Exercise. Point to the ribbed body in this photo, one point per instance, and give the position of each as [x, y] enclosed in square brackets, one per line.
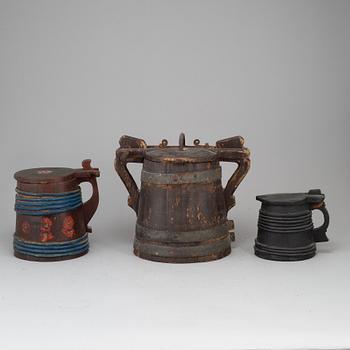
[285, 233]
[50, 226]
[181, 213]
[56, 250]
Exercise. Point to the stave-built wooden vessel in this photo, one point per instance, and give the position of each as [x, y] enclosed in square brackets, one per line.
[182, 207]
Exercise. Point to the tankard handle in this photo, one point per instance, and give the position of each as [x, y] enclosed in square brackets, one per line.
[131, 151]
[89, 174]
[319, 233]
[232, 150]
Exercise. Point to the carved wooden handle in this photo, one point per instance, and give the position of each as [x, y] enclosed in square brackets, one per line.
[132, 150]
[316, 200]
[232, 150]
[89, 174]
[319, 233]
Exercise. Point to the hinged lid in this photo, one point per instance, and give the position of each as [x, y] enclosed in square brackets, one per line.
[181, 153]
[313, 196]
[44, 175]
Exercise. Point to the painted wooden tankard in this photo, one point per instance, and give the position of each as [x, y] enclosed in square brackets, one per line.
[182, 207]
[52, 221]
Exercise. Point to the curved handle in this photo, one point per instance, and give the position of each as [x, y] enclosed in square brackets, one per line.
[89, 174]
[129, 154]
[319, 233]
[236, 154]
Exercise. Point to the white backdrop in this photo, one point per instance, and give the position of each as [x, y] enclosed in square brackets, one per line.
[76, 75]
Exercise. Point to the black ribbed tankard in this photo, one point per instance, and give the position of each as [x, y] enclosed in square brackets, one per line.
[285, 228]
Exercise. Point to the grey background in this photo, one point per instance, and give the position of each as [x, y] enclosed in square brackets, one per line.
[76, 75]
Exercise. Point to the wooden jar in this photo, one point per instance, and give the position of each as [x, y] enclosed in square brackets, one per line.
[182, 207]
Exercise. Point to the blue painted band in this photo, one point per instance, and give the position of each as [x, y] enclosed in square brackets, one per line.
[38, 204]
[56, 249]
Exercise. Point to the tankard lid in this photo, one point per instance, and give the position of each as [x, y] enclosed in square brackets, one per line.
[313, 196]
[44, 175]
[181, 155]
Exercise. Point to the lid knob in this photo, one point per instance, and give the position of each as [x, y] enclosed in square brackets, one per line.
[182, 140]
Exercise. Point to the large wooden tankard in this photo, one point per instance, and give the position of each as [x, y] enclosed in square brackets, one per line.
[182, 207]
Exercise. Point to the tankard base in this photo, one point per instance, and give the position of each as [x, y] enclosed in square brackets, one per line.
[183, 260]
[41, 259]
[52, 251]
[282, 254]
[183, 253]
